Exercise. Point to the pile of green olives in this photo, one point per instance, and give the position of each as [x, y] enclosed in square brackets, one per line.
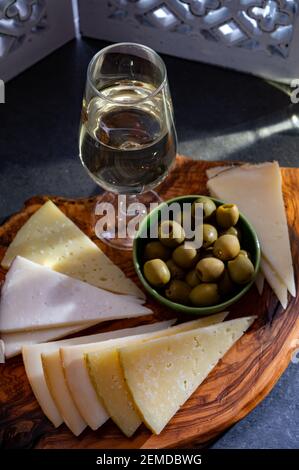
[205, 276]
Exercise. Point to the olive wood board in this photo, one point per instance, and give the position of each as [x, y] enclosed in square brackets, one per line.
[244, 376]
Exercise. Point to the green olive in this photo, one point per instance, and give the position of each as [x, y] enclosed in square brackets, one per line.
[233, 231]
[156, 272]
[184, 257]
[209, 206]
[209, 235]
[204, 295]
[209, 269]
[227, 215]
[155, 249]
[226, 247]
[192, 279]
[178, 291]
[225, 285]
[240, 269]
[171, 233]
[244, 253]
[175, 271]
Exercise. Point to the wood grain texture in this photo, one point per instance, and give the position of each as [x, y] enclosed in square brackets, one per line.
[238, 383]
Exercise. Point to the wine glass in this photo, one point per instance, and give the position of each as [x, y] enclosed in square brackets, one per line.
[127, 135]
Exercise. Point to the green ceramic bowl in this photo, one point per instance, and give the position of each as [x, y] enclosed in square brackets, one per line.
[249, 242]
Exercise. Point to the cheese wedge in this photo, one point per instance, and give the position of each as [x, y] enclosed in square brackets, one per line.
[78, 380]
[52, 239]
[34, 369]
[35, 297]
[163, 373]
[15, 341]
[107, 376]
[257, 190]
[274, 281]
[259, 282]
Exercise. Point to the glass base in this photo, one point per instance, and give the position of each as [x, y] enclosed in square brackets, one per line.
[117, 217]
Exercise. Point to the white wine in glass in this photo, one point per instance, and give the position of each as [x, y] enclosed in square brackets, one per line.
[127, 134]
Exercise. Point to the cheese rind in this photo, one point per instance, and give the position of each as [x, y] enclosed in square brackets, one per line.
[14, 342]
[257, 190]
[107, 376]
[50, 238]
[34, 368]
[162, 374]
[35, 297]
[274, 281]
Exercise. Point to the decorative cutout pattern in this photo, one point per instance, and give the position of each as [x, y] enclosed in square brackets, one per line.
[262, 25]
[18, 20]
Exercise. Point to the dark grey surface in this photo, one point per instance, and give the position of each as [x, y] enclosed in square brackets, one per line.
[220, 115]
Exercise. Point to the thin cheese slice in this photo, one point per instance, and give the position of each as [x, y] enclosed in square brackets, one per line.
[34, 368]
[52, 239]
[35, 297]
[163, 373]
[15, 341]
[274, 281]
[259, 282]
[107, 376]
[60, 393]
[78, 380]
[257, 190]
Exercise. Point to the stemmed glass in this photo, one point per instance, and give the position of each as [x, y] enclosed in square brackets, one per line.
[127, 135]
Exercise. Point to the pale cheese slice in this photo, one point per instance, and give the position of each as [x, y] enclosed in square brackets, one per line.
[57, 386]
[55, 378]
[274, 281]
[107, 376]
[257, 190]
[35, 297]
[15, 341]
[259, 282]
[163, 373]
[78, 380]
[34, 368]
[50, 238]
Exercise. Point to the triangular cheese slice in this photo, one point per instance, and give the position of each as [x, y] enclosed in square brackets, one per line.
[35, 297]
[257, 190]
[35, 373]
[107, 375]
[162, 374]
[50, 238]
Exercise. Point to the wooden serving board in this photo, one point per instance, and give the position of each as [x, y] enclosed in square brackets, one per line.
[239, 382]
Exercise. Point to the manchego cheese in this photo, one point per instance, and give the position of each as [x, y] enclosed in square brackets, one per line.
[50, 238]
[107, 375]
[163, 373]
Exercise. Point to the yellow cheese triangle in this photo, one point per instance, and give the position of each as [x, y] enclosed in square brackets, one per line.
[257, 190]
[107, 376]
[163, 373]
[52, 239]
